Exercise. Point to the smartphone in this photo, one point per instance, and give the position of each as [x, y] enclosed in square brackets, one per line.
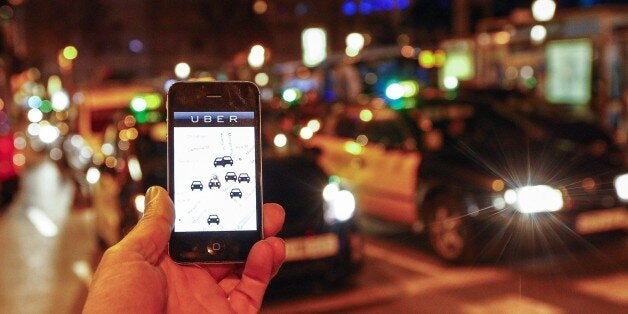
[214, 170]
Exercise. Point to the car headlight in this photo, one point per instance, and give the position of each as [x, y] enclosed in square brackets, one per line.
[340, 203]
[535, 199]
[621, 186]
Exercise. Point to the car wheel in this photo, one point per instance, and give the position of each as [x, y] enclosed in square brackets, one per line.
[448, 229]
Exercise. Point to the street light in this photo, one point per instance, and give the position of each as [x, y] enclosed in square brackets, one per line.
[314, 45]
[543, 10]
[538, 34]
[182, 70]
[256, 56]
[355, 43]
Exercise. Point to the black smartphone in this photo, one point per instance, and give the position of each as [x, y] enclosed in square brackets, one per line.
[214, 170]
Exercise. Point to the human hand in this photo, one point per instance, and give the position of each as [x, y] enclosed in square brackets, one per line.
[137, 275]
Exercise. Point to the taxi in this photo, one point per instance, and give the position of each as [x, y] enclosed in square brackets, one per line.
[478, 178]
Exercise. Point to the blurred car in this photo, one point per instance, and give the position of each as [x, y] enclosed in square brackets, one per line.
[120, 181]
[319, 231]
[478, 179]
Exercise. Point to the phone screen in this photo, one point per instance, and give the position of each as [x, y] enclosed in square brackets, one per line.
[214, 171]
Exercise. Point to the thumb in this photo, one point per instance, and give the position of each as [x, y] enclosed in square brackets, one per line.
[152, 232]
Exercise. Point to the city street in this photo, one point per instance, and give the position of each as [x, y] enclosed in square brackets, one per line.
[50, 252]
[430, 156]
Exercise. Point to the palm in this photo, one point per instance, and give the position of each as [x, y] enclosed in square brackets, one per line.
[137, 275]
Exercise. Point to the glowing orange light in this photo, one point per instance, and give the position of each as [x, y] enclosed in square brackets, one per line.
[407, 51]
[498, 185]
[501, 38]
[111, 162]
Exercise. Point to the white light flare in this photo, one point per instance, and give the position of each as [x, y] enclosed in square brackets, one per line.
[44, 225]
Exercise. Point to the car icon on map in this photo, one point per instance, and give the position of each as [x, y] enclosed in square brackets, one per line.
[231, 176]
[213, 182]
[235, 193]
[196, 185]
[223, 161]
[244, 177]
[213, 219]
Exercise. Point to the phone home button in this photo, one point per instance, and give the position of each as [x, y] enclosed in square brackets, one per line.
[213, 248]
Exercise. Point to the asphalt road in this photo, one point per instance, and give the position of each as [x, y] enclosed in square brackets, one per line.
[50, 251]
[399, 276]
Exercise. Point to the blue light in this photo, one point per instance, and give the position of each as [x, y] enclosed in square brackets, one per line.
[387, 5]
[349, 8]
[136, 45]
[403, 4]
[365, 7]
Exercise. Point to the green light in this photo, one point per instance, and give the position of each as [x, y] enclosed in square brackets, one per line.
[138, 104]
[141, 117]
[410, 88]
[353, 148]
[46, 106]
[70, 52]
[366, 115]
[153, 117]
[531, 82]
[427, 59]
[153, 101]
[291, 95]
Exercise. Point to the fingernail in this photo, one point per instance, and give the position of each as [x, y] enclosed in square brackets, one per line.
[150, 195]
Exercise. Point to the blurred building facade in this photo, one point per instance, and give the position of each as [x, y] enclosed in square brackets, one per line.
[121, 40]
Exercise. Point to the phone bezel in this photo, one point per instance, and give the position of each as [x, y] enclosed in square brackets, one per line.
[231, 96]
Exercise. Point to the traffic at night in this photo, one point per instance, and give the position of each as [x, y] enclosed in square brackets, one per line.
[342, 156]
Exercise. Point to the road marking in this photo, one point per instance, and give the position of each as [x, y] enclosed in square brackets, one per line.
[397, 290]
[612, 288]
[391, 257]
[438, 278]
[44, 225]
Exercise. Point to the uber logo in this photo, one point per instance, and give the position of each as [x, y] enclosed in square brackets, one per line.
[214, 119]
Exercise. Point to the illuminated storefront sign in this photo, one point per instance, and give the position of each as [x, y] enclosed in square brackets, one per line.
[569, 67]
